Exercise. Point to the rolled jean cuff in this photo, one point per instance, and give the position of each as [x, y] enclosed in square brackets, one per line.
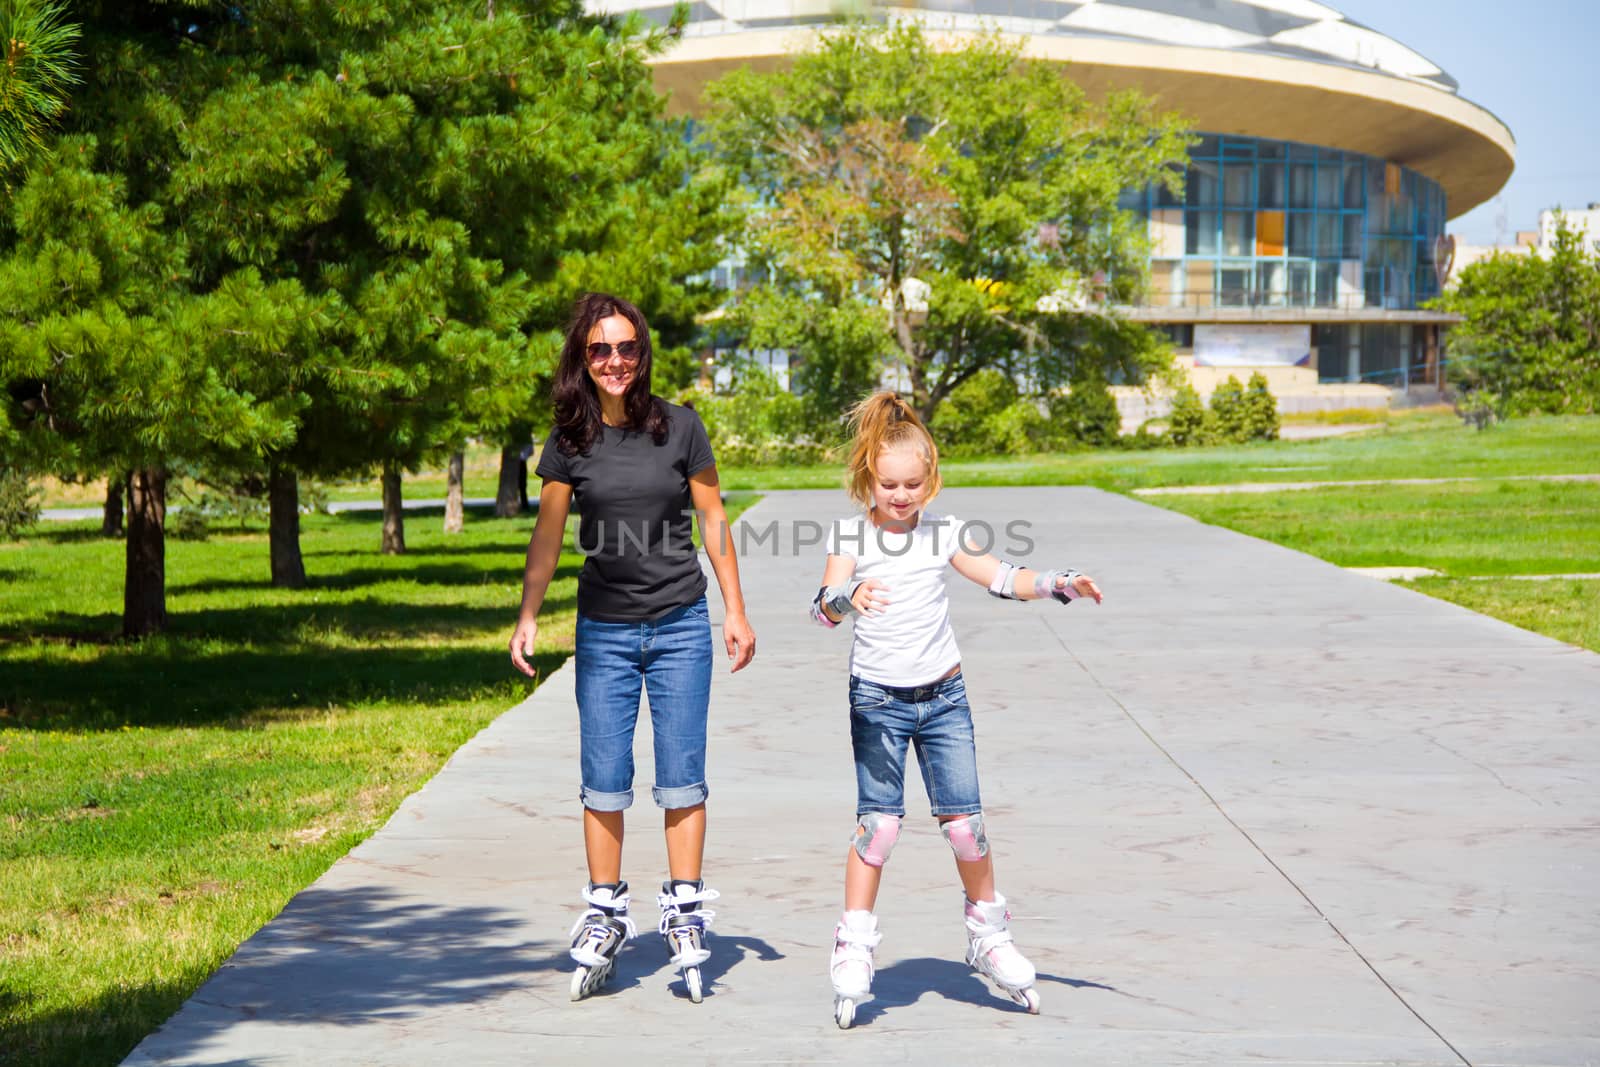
[957, 809]
[880, 809]
[682, 796]
[597, 801]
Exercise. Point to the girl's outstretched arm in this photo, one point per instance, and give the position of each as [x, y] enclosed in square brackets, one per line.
[1024, 583]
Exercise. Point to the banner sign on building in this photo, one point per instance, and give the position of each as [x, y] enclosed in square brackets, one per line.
[1252, 346]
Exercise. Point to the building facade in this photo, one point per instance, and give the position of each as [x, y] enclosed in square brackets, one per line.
[1312, 228]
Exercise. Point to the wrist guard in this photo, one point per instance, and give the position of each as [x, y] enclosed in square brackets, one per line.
[1004, 585]
[836, 599]
[1044, 585]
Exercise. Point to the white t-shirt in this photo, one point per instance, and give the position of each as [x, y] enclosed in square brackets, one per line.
[911, 642]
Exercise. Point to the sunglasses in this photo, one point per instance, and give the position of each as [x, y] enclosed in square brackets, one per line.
[627, 351]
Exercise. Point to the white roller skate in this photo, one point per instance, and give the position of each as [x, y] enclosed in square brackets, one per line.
[991, 953]
[852, 967]
[683, 924]
[598, 935]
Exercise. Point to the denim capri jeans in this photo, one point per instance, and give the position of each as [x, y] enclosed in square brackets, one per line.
[669, 658]
[937, 720]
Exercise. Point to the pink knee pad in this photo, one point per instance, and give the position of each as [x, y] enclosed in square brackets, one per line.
[966, 837]
[875, 837]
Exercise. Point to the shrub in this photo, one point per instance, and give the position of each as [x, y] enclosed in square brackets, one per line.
[1226, 419]
[1187, 423]
[760, 423]
[19, 504]
[1088, 414]
[1260, 410]
[968, 420]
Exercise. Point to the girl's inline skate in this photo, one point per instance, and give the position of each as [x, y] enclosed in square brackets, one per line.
[683, 924]
[991, 953]
[598, 935]
[852, 966]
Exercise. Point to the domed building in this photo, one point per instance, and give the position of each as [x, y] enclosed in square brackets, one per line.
[1313, 223]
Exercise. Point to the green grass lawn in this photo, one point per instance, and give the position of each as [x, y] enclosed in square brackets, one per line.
[1427, 445]
[1459, 528]
[1567, 609]
[159, 801]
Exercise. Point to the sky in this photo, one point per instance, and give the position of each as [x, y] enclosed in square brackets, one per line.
[1533, 63]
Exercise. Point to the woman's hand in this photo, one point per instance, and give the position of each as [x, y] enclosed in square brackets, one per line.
[739, 639]
[869, 597]
[522, 646]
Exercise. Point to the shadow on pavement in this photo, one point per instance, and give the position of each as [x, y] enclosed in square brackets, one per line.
[904, 983]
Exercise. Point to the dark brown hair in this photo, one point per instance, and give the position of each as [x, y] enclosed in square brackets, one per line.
[577, 404]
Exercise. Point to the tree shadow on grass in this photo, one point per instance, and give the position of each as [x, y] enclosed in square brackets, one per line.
[904, 983]
[126, 685]
[345, 958]
[297, 623]
[472, 548]
[457, 574]
[68, 533]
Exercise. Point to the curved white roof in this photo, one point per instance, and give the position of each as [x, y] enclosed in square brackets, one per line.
[1299, 29]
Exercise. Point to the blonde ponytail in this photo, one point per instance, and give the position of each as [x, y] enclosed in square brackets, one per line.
[884, 421]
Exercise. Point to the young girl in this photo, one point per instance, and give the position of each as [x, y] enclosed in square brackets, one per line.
[886, 570]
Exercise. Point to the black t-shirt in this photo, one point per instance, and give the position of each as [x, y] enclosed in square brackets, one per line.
[635, 517]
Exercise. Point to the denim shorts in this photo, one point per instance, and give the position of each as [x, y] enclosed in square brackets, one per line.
[938, 721]
[670, 658]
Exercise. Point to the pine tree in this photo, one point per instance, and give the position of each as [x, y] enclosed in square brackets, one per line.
[127, 368]
[300, 237]
[37, 69]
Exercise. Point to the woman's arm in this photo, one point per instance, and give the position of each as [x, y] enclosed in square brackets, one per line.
[544, 551]
[984, 568]
[737, 636]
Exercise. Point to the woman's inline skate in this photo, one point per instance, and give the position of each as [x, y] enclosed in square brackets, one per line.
[598, 935]
[683, 924]
[852, 965]
[991, 953]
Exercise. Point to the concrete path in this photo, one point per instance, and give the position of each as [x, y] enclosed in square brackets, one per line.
[1253, 809]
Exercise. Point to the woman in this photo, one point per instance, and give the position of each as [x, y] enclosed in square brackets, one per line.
[634, 465]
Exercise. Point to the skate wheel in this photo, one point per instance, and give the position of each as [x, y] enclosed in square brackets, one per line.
[1030, 1000]
[580, 979]
[844, 1012]
[691, 981]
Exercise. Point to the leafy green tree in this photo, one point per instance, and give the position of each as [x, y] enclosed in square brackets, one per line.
[1531, 339]
[967, 198]
[836, 352]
